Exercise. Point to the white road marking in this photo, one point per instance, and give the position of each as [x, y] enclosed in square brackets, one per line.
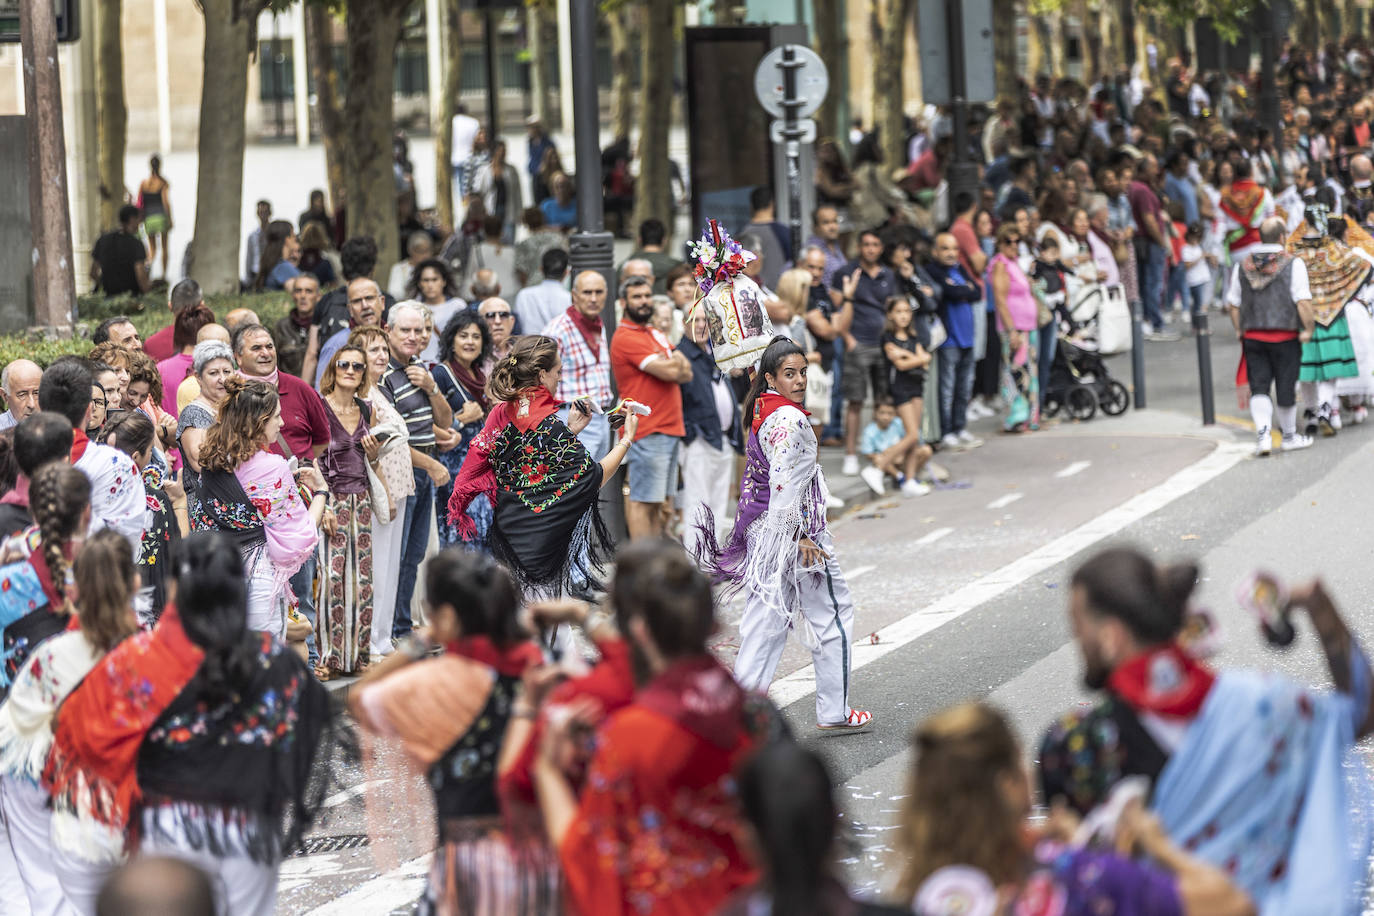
[802, 682]
[1073, 469]
[851, 576]
[339, 798]
[1002, 502]
[933, 536]
[388, 891]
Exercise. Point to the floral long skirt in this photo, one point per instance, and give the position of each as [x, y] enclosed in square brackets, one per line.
[344, 606]
[1021, 382]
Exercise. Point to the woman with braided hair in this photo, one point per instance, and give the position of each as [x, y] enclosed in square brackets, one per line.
[105, 585]
[35, 601]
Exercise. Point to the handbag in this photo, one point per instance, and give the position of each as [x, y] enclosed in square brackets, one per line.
[819, 385]
[936, 330]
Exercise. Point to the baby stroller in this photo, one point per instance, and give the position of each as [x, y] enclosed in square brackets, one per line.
[1080, 384]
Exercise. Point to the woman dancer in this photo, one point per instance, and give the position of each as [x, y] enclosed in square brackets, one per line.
[34, 591]
[450, 714]
[781, 554]
[345, 600]
[199, 739]
[251, 493]
[547, 528]
[463, 348]
[106, 582]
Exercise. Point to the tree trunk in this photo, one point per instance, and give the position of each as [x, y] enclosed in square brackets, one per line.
[112, 114]
[319, 50]
[541, 77]
[369, 183]
[622, 69]
[826, 14]
[219, 174]
[887, 79]
[448, 107]
[1004, 47]
[1089, 27]
[653, 191]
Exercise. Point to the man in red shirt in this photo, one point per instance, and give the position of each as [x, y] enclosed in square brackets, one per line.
[971, 256]
[647, 369]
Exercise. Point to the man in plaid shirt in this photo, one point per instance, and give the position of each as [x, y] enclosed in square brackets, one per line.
[586, 357]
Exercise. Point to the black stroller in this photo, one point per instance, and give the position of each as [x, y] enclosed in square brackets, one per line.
[1080, 384]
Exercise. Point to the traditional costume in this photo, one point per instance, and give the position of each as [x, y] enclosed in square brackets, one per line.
[161, 536]
[1335, 274]
[782, 500]
[459, 385]
[117, 496]
[1251, 772]
[258, 504]
[450, 716]
[1246, 205]
[33, 607]
[547, 529]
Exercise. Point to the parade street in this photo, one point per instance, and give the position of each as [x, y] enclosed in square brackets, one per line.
[963, 593]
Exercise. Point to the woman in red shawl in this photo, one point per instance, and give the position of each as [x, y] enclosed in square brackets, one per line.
[657, 830]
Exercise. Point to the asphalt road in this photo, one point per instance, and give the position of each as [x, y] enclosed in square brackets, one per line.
[965, 590]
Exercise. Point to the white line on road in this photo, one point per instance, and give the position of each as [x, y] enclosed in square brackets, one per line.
[851, 576]
[1002, 502]
[933, 536]
[1073, 469]
[339, 798]
[802, 682]
[388, 891]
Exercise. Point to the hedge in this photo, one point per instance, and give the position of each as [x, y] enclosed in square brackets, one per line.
[148, 312]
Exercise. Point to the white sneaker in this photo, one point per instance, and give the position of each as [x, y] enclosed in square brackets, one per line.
[1264, 442]
[968, 439]
[851, 466]
[1335, 418]
[1357, 416]
[833, 502]
[914, 488]
[951, 442]
[1295, 442]
[874, 478]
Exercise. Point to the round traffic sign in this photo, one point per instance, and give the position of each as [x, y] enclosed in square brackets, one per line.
[812, 80]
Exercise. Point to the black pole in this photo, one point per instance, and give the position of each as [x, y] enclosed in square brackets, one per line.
[792, 145]
[591, 247]
[963, 172]
[1268, 93]
[1204, 365]
[1138, 352]
[493, 101]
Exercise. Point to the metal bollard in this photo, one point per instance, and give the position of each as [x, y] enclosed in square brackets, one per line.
[1204, 366]
[1138, 353]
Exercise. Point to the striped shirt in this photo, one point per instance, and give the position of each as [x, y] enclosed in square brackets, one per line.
[411, 402]
[584, 376]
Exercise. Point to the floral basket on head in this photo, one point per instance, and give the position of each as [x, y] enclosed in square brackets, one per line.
[737, 323]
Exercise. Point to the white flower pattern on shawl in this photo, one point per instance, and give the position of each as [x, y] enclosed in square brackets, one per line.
[51, 672]
[796, 508]
[118, 499]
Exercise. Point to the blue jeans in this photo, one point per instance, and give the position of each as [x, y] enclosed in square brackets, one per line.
[835, 428]
[1152, 283]
[1049, 343]
[1177, 288]
[414, 543]
[956, 387]
[303, 587]
[1193, 298]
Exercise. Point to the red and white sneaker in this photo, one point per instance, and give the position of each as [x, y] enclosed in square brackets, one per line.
[857, 718]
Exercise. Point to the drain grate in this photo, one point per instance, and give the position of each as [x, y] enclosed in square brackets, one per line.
[323, 844]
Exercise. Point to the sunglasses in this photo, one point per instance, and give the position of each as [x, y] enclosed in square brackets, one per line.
[496, 316]
[348, 364]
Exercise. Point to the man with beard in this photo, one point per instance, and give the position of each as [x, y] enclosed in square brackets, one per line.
[1246, 771]
[647, 369]
[662, 766]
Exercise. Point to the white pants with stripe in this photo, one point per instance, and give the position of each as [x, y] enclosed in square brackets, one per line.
[824, 599]
[26, 818]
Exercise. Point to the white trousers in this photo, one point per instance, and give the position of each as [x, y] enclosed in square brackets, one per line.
[264, 599]
[706, 476]
[81, 880]
[242, 887]
[34, 888]
[824, 599]
[386, 574]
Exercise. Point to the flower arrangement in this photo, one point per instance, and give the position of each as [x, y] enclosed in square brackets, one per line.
[719, 257]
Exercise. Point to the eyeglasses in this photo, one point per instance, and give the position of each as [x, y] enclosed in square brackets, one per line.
[348, 364]
[496, 316]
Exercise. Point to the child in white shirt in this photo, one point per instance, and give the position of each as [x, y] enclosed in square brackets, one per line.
[1197, 280]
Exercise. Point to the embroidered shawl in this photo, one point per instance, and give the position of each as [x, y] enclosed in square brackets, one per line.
[1334, 272]
[51, 672]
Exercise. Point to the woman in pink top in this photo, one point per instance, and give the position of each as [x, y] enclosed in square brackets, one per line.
[1017, 321]
[176, 367]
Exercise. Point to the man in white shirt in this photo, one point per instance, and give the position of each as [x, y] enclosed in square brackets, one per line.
[536, 306]
[1270, 303]
[20, 379]
[465, 128]
[118, 500]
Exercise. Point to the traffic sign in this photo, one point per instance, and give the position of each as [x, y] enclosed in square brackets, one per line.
[932, 35]
[778, 126]
[812, 81]
[68, 20]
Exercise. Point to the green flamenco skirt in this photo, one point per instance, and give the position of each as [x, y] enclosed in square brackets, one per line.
[1329, 354]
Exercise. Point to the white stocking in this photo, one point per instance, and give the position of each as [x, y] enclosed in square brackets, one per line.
[1261, 410]
[1288, 419]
